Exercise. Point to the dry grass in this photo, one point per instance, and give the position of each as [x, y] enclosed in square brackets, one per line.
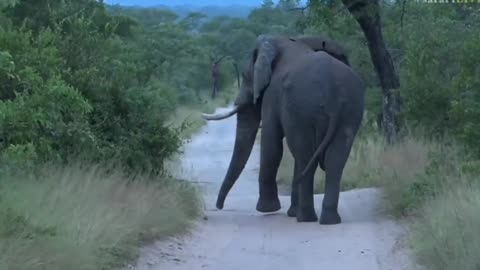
[445, 233]
[431, 182]
[372, 162]
[87, 218]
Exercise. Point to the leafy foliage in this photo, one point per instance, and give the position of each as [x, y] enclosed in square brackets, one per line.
[83, 80]
[433, 48]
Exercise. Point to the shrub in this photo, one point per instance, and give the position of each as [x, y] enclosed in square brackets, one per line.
[54, 119]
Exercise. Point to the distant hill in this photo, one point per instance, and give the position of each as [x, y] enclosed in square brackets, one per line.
[212, 8]
[197, 3]
[211, 11]
[236, 11]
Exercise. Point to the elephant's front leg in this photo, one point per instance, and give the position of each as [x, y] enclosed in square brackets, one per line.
[271, 151]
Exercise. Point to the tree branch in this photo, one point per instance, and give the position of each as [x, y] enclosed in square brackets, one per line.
[299, 8]
[219, 60]
[403, 13]
[302, 9]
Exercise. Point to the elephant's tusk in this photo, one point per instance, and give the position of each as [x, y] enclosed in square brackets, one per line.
[220, 116]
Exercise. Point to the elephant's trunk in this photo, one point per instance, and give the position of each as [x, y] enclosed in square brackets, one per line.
[248, 121]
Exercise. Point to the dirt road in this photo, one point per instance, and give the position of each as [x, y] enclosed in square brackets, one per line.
[239, 238]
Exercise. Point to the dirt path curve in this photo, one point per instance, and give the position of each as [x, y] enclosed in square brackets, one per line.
[239, 238]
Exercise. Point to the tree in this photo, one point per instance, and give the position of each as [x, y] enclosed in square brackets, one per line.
[367, 14]
[216, 60]
[193, 20]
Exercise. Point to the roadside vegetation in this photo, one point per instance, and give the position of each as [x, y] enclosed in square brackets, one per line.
[87, 217]
[96, 101]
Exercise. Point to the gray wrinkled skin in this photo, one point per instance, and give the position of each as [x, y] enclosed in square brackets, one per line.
[302, 89]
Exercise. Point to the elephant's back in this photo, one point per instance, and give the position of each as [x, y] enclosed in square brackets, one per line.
[316, 83]
[325, 78]
[307, 81]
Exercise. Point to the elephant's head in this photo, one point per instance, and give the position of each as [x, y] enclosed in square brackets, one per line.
[256, 75]
[323, 43]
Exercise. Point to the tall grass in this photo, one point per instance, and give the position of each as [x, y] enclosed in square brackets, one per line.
[445, 234]
[86, 217]
[432, 182]
[372, 163]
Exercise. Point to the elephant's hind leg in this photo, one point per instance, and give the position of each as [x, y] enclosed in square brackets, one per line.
[302, 202]
[292, 211]
[335, 159]
[271, 151]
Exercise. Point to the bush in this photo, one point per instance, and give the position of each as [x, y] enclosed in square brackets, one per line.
[78, 87]
[54, 119]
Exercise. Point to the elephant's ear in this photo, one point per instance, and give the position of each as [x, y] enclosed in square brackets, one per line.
[262, 67]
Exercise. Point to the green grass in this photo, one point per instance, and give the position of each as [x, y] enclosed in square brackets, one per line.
[87, 218]
[191, 114]
[445, 234]
[442, 201]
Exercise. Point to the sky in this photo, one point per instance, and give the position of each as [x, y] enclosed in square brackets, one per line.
[147, 3]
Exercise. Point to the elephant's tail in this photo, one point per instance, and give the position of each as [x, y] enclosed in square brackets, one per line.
[332, 126]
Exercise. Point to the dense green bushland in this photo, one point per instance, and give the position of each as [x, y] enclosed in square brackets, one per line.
[85, 81]
[82, 83]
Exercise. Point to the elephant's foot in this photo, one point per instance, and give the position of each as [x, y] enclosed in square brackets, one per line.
[330, 217]
[267, 206]
[292, 211]
[306, 215]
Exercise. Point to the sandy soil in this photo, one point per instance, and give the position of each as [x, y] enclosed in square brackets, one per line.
[238, 237]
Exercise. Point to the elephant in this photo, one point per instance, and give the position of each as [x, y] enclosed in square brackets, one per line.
[323, 43]
[304, 90]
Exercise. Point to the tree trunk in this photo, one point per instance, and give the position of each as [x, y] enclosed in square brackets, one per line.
[237, 72]
[216, 75]
[215, 89]
[367, 14]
